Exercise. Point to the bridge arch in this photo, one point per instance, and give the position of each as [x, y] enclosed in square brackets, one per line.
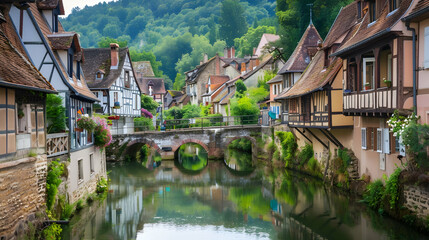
[151, 143]
[202, 144]
[251, 139]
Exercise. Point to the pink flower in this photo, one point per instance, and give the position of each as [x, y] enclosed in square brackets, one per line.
[146, 113]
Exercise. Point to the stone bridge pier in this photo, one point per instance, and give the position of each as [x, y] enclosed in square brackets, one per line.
[214, 140]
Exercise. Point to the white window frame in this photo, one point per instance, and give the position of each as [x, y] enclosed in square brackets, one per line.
[364, 144]
[365, 61]
[380, 142]
[80, 170]
[426, 48]
[91, 163]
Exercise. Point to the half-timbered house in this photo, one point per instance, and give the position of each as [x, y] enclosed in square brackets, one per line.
[293, 68]
[57, 54]
[315, 110]
[378, 79]
[23, 160]
[110, 76]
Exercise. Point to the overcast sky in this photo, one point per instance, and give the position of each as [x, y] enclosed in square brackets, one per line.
[70, 4]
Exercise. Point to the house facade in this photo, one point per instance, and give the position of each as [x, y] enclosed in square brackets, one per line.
[58, 56]
[110, 76]
[378, 79]
[263, 43]
[148, 83]
[23, 156]
[293, 68]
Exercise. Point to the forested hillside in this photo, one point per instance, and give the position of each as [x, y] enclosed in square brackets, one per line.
[174, 34]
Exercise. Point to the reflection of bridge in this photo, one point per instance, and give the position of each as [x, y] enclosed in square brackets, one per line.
[213, 139]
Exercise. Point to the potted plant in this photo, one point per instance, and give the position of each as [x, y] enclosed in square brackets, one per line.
[117, 105]
[20, 113]
[388, 82]
[86, 123]
[367, 86]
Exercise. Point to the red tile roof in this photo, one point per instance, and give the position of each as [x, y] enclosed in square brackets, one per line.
[217, 81]
[369, 31]
[300, 58]
[63, 41]
[346, 18]
[15, 68]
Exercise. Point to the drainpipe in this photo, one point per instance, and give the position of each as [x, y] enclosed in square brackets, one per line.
[413, 30]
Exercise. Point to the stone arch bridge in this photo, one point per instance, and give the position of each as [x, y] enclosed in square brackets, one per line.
[213, 140]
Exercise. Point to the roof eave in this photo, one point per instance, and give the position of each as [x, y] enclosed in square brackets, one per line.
[417, 16]
[13, 85]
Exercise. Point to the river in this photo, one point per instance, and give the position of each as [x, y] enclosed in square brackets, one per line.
[192, 198]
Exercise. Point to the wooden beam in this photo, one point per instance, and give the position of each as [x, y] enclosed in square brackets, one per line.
[318, 139]
[304, 135]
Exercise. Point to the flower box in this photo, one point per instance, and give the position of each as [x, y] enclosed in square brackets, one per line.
[78, 129]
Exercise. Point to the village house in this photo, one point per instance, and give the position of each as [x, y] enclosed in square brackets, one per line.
[110, 76]
[197, 79]
[378, 79]
[58, 56]
[418, 19]
[292, 70]
[266, 39]
[214, 86]
[148, 83]
[172, 98]
[315, 110]
[23, 157]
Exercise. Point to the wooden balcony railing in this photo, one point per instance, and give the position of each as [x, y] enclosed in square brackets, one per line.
[318, 119]
[57, 144]
[371, 100]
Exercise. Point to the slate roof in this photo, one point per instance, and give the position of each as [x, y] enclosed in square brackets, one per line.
[371, 31]
[79, 88]
[157, 85]
[175, 93]
[221, 95]
[226, 99]
[99, 59]
[346, 17]
[144, 68]
[419, 12]
[300, 58]
[15, 68]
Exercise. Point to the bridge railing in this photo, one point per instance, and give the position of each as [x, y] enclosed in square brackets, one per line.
[206, 122]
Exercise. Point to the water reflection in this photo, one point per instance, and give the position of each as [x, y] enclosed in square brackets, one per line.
[215, 204]
[149, 157]
[239, 160]
[192, 157]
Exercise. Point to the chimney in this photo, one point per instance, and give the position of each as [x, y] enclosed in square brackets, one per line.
[257, 62]
[225, 52]
[206, 57]
[254, 51]
[232, 52]
[114, 56]
[243, 68]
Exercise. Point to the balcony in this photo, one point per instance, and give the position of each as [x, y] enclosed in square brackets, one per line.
[315, 120]
[57, 144]
[380, 100]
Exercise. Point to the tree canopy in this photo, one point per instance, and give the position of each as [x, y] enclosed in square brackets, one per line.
[232, 22]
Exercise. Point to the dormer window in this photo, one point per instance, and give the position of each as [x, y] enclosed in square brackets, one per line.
[78, 73]
[99, 75]
[150, 91]
[359, 10]
[70, 62]
[372, 11]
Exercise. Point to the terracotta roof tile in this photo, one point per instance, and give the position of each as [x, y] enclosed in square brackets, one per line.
[15, 69]
[63, 41]
[368, 31]
[300, 58]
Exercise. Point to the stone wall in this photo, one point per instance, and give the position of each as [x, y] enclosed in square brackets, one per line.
[417, 200]
[22, 187]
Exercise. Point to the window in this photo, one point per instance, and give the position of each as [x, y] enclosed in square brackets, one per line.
[372, 11]
[426, 48]
[352, 75]
[359, 9]
[379, 140]
[23, 118]
[393, 5]
[91, 162]
[127, 79]
[115, 97]
[385, 67]
[368, 73]
[80, 169]
[78, 70]
[363, 136]
[70, 63]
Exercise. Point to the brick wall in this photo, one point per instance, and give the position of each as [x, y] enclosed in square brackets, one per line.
[417, 200]
[22, 188]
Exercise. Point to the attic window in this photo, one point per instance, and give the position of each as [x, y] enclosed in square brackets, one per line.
[127, 79]
[372, 11]
[394, 4]
[359, 9]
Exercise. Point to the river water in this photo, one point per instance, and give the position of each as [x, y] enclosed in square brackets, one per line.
[192, 198]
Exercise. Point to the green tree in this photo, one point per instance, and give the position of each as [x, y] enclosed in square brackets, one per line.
[191, 111]
[112, 30]
[240, 87]
[212, 36]
[243, 106]
[106, 41]
[257, 94]
[55, 114]
[232, 21]
[179, 82]
[268, 75]
[137, 25]
[251, 39]
[149, 104]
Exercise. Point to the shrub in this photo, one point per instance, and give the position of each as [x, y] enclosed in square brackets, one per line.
[242, 144]
[67, 211]
[146, 113]
[52, 232]
[288, 146]
[305, 154]
[79, 205]
[312, 164]
[53, 180]
[143, 124]
[392, 188]
[86, 123]
[344, 155]
[102, 185]
[55, 114]
[374, 194]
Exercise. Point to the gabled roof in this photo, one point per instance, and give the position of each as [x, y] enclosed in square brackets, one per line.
[300, 58]
[15, 69]
[226, 99]
[265, 39]
[216, 81]
[257, 68]
[192, 75]
[99, 59]
[185, 99]
[346, 18]
[276, 79]
[144, 68]
[63, 41]
[79, 88]
[419, 12]
[157, 85]
[175, 93]
[371, 31]
[50, 5]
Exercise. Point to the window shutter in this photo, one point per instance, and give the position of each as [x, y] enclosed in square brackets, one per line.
[392, 143]
[376, 140]
[426, 48]
[386, 141]
[368, 138]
